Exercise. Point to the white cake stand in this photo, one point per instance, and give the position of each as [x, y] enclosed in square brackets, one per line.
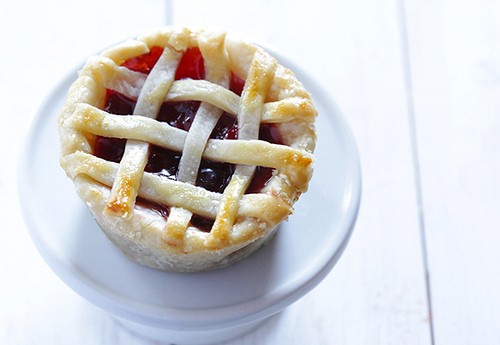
[196, 308]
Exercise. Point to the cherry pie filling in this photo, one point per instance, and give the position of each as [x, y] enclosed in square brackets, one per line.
[213, 176]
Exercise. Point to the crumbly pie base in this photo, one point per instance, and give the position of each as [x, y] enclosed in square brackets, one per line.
[114, 191]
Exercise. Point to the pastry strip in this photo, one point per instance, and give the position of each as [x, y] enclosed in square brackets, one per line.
[169, 192]
[128, 177]
[207, 116]
[130, 83]
[292, 162]
[249, 115]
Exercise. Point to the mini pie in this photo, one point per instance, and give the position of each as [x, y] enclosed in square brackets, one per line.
[188, 146]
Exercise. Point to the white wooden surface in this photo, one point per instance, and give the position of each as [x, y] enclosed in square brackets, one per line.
[419, 83]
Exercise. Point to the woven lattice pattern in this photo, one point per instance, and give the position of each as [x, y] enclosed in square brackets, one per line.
[270, 95]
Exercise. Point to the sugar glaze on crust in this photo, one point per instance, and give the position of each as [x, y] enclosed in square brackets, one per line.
[241, 222]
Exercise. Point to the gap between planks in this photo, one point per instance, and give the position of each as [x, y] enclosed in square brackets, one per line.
[415, 156]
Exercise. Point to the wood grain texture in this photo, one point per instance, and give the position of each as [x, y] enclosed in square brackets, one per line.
[418, 82]
[455, 66]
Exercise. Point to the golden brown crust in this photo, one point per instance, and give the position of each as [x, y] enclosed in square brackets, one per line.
[242, 223]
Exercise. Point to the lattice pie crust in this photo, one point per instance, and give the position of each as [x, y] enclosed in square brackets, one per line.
[121, 194]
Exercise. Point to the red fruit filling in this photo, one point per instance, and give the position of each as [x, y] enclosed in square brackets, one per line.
[213, 176]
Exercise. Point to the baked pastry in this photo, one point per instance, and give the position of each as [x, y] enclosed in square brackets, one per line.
[188, 146]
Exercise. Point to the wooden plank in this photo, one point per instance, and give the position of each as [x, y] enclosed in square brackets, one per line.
[455, 66]
[376, 294]
[41, 43]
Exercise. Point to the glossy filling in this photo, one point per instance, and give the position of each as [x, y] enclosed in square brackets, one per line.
[213, 176]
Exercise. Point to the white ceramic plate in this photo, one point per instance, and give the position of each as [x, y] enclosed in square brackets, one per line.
[297, 259]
